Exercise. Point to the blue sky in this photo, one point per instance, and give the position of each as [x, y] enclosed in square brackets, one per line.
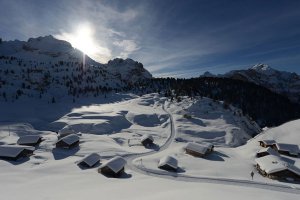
[181, 38]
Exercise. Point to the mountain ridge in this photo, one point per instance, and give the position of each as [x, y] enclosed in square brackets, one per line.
[281, 82]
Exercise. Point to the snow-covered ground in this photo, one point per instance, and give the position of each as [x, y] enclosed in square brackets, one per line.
[113, 126]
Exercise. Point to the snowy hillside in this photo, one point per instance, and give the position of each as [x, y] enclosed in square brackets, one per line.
[282, 82]
[114, 126]
[50, 69]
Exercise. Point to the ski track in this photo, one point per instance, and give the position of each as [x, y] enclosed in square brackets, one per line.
[180, 177]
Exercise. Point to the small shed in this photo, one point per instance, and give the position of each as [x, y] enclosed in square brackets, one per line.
[273, 167]
[113, 167]
[287, 149]
[168, 163]
[68, 142]
[266, 151]
[267, 143]
[90, 161]
[29, 140]
[14, 152]
[196, 149]
[147, 140]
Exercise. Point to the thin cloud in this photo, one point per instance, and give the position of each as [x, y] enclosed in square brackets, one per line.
[127, 47]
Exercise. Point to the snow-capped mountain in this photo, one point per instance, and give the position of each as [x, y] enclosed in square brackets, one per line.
[48, 66]
[285, 83]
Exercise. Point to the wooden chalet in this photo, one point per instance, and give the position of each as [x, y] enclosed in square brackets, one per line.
[168, 163]
[287, 149]
[89, 161]
[147, 140]
[68, 142]
[196, 149]
[267, 143]
[15, 152]
[113, 167]
[29, 140]
[273, 167]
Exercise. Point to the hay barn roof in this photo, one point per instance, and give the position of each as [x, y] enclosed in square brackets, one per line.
[90, 159]
[115, 164]
[168, 160]
[28, 139]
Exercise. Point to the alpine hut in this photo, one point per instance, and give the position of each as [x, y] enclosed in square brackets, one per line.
[168, 163]
[29, 140]
[147, 140]
[14, 152]
[68, 142]
[90, 161]
[287, 149]
[273, 167]
[196, 149]
[113, 167]
[267, 143]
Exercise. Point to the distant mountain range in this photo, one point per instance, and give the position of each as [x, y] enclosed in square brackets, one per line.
[281, 82]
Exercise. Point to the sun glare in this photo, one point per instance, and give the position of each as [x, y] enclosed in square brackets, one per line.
[83, 37]
[83, 40]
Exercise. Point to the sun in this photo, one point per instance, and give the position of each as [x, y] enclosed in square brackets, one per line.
[83, 39]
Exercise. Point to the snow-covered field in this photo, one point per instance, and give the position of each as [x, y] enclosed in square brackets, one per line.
[113, 126]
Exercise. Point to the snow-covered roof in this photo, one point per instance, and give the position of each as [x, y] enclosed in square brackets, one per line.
[291, 148]
[13, 150]
[196, 147]
[115, 164]
[146, 136]
[168, 160]
[270, 151]
[268, 142]
[69, 139]
[65, 132]
[294, 169]
[208, 145]
[91, 159]
[271, 164]
[28, 139]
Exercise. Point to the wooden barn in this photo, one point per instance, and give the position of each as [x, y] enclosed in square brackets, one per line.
[14, 152]
[147, 140]
[168, 163]
[267, 143]
[287, 149]
[113, 167]
[68, 142]
[273, 167]
[29, 140]
[90, 161]
[266, 151]
[196, 149]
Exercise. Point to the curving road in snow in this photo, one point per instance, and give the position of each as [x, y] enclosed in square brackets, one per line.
[180, 177]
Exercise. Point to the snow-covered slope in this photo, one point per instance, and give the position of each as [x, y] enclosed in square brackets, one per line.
[51, 68]
[113, 126]
[282, 82]
[224, 162]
